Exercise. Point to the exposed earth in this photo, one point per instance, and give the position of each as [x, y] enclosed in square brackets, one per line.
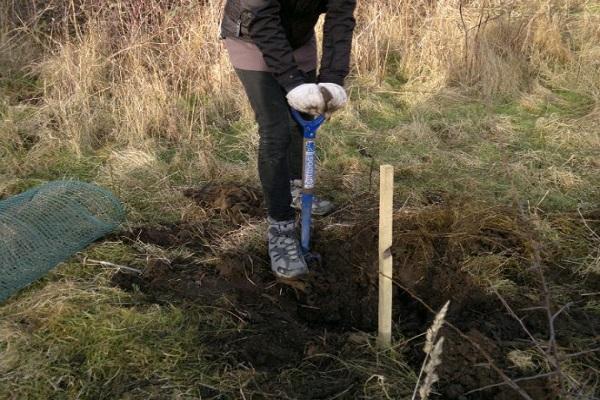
[442, 251]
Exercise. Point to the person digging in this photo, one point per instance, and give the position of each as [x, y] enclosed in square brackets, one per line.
[273, 49]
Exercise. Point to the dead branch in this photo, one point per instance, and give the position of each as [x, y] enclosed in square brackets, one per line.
[520, 320]
[87, 261]
[552, 353]
[526, 378]
[594, 234]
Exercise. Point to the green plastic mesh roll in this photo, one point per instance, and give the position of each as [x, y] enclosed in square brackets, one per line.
[47, 225]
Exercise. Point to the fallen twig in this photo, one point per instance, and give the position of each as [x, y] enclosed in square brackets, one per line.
[515, 316]
[581, 353]
[526, 378]
[552, 352]
[111, 265]
[593, 232]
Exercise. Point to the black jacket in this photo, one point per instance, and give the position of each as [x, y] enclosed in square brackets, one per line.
[279, 26]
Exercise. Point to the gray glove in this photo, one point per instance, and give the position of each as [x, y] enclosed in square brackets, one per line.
[337, 97]
[307, 98]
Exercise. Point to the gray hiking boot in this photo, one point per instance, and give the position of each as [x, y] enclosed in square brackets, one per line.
[319, 207]
[285, 251]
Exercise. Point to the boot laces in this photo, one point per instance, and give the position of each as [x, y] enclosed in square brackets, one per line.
[288, 242]
[291, 248]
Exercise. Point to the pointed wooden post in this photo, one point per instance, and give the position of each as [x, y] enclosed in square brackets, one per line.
[386, 201]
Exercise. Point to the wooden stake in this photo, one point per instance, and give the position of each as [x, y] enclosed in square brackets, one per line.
[386, 201]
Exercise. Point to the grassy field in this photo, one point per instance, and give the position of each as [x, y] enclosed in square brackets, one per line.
[490, 113]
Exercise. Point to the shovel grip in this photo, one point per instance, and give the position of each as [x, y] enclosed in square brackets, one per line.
[309, 127]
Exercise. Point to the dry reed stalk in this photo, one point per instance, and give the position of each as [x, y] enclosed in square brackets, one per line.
[433, 355]
[431, 377]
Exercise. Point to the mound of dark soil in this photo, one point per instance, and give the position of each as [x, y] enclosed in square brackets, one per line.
[237, 202]
[174, 235]
[436, 250]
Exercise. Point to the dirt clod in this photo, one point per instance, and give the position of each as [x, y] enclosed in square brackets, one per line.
[237, 202]
[168, 236]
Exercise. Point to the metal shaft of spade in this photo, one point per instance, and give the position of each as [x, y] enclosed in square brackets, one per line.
[309, 128]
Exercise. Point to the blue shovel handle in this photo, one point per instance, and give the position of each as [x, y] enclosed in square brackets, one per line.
[309, 128]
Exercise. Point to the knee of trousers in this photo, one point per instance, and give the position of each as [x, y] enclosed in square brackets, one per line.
[274, 159]
[274, 143]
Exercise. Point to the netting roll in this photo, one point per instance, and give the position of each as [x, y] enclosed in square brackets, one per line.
[47, 225]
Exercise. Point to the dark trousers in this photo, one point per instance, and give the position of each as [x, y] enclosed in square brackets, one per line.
[280, 144]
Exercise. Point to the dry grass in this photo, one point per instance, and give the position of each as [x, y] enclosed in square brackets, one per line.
[135, 72]
[494, 47]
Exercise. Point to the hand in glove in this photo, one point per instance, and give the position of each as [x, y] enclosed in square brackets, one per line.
[337, 99]
[307, 98]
